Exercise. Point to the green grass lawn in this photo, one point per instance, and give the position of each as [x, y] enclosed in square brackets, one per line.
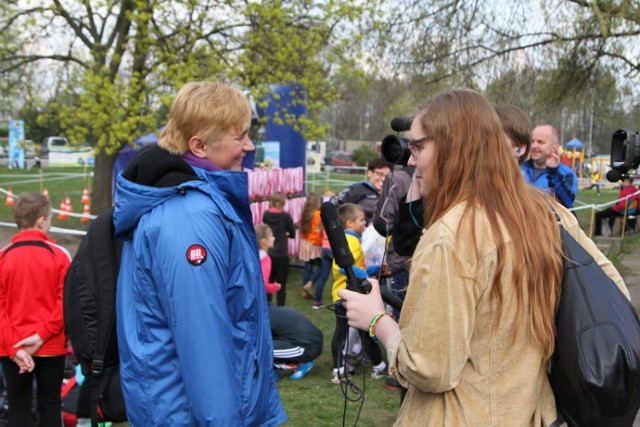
[320, 183]
[59, 182]
[314, 401]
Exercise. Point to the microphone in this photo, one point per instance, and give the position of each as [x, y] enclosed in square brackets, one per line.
[614, 175]
[344, 258]
[340, 248]
[401, 124]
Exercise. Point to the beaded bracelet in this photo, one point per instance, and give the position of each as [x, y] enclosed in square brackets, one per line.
[374, 321]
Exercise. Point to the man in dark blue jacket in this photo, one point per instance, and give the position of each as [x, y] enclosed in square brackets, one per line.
[544, 169]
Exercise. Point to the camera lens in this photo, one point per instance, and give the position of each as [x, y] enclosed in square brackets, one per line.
[395, 150]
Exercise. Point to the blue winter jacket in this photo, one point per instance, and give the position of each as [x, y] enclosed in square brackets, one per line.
[560, 182]
[192, 320]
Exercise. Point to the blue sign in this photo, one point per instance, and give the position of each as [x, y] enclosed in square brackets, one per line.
[16, 153]
[271, 154]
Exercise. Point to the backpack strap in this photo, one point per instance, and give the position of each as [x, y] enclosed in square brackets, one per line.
[105, 262]
[38, 243]
[555, 213]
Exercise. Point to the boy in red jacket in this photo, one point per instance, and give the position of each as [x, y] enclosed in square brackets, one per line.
[32, 340]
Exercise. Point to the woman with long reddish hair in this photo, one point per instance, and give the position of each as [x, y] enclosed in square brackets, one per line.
[477, 328]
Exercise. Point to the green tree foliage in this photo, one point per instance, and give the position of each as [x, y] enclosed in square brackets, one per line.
[294, 40]
[40, 121]
[123, 60]
[364, 154]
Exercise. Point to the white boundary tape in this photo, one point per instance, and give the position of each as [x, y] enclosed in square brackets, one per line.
[82, 233]
[52, 230]
[54, 210]
[607, 204]
[73, 214]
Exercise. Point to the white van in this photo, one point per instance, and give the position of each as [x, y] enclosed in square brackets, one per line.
[54, 143]
[61, 153]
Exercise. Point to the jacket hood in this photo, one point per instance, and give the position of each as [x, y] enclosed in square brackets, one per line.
[153, 176]
[155, 167]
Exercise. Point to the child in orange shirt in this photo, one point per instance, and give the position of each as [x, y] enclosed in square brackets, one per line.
[310, 244]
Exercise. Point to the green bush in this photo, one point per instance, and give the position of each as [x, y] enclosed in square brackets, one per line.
[364, 154]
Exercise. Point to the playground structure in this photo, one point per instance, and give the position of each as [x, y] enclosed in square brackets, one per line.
[600, 165]
[573, 155]
[574, 159]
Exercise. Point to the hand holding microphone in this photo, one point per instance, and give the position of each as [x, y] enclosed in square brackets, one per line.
[344, 258]
[361, 308]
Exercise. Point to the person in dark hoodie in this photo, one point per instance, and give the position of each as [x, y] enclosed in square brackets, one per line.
[192, 319]
[366, 193]
[394, 191]
[281, 224]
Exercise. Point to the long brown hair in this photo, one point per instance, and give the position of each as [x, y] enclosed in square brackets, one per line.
[311, 205]
[474, 162]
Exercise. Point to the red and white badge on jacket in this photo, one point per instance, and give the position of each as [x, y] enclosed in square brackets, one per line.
[196, 254]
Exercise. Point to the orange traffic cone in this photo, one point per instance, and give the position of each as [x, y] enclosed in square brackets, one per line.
[67, 205]
[86, 212]
[85, 197]
[45, 193]
[63, 209]
[9, 201]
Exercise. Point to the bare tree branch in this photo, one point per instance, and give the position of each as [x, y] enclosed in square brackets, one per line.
[12, 19]
[16, 62]
[76, 25]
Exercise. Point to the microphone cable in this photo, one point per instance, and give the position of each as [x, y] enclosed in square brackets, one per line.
[350, 390]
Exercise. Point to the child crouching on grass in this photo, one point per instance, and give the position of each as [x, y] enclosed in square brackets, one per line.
[296, 341]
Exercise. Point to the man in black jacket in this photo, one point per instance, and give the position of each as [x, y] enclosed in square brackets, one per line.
[394, 191]
[366, 193]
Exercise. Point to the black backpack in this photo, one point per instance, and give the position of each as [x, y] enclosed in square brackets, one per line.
[89, 317]
[595, 369]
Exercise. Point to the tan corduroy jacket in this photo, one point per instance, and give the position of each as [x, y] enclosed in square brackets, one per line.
[458, 370]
